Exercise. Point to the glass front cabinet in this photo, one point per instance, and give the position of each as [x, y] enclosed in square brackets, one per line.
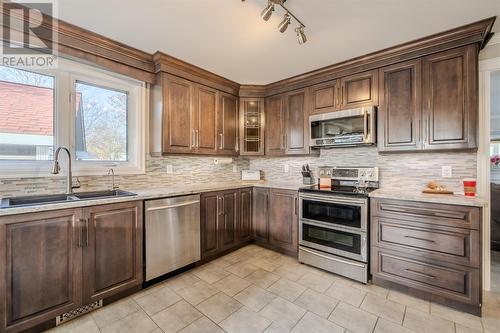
[251, 126]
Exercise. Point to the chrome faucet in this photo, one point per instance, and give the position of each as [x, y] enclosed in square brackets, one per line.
[69, 175]
[111, 173]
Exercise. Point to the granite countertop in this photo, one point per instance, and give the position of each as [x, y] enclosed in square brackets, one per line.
[153, 193]
[450, 199]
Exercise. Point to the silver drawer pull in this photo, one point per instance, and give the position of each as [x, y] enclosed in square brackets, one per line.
[420, 273]
[173, 206]
[421, 239]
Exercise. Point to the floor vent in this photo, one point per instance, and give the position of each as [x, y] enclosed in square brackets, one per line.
[78, 312]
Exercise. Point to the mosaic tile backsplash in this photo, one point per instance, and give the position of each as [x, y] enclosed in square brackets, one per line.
[186, 169]
[409, 171]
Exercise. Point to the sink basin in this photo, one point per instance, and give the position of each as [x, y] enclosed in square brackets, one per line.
[60, 198]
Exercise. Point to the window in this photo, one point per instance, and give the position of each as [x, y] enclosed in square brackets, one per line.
[105, 130]
[27, 103]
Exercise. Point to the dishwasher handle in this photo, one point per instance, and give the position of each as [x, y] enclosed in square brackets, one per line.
[187, 203]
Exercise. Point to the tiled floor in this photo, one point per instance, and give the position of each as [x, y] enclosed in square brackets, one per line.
[257, 290]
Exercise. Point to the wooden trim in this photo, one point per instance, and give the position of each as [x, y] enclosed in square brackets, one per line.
[166, 63]
[252, 91]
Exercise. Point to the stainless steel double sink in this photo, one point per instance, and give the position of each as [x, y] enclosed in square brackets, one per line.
[61, 198]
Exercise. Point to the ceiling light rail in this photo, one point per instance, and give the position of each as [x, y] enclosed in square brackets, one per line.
[268, 12]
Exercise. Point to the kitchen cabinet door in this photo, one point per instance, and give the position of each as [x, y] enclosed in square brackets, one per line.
[450, 99]
[210, 215]
[297, 123]
[178, 136]
[227, 125]
[204, 120]
[112, 257]
[260, 214]
[326, 97]
[283, 220]
[252, 126]
[229, 219]
[275, 125]
[359, 90]
[400, 109]
[245, 214]
[40, 269]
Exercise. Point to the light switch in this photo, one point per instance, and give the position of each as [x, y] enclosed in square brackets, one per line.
[286, 168]
[235, 169]
[170, 168]
[446, 171]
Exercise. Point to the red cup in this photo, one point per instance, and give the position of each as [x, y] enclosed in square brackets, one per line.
[470, 187]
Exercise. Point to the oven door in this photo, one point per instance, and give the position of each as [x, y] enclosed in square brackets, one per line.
[342, 242]
[335, 211]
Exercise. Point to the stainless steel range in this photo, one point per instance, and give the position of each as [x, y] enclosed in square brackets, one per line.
[333, 225]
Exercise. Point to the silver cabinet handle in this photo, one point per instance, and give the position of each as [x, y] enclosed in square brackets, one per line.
[221, 142]
[197, 139]
[187, 203]
[87, 232]
[365, 126]
[193, 139]
[80, 233]
[419, 273]
[420, 239]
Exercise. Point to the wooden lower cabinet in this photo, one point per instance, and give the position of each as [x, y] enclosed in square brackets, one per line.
[276, 219]
[51, 267]
[431, 250]
[245, 214]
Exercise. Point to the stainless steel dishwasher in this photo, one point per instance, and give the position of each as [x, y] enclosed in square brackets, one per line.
[172, 234]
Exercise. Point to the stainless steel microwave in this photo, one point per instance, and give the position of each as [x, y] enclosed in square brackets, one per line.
[344, 128]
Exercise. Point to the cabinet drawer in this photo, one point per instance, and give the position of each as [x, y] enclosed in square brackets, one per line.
[451, 281]
[461, 246]
[429, 213]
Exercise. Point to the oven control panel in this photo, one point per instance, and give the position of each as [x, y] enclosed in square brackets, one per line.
[352, 174]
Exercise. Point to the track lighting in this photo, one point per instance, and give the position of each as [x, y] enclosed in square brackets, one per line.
[301, 36]
[285, 23]
[268, 11]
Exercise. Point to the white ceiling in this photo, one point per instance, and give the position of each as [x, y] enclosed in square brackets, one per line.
[229, 38]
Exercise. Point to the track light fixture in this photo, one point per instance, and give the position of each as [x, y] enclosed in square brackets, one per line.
[268, 12]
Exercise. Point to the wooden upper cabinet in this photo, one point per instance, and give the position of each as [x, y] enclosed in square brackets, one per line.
[252, 119]
[325, 97]
[112, 260]
[297, 123]
[178, 105]
[450, 99]
[399, 112]
[359, 90]
[204, 127]
[275, 125]
[40, 267]
[227, 125]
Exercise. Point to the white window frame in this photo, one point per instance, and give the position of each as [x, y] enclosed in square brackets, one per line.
[67, 73]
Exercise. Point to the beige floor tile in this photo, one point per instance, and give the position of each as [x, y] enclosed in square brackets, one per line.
[115, 311]
[409, 301]
[383, 308]
[242, 269]
[138, 322]
[181, 281]
[283, 313]
[219, 263]
[463, 329]
[157, 299]
[235, 257]
[231, 285]
[317, 303]
[210, 274]
[85, 324]
[198, 292]
[292, 272]
[202, 325]
[462, 318]
[424, 323]
[176, 317]
[274, 328]
[266, 264]
[313, 323]
[254, 297]
[218, 307]
[371, 288]
[287, 289]
[353, 318]
[491, 320]
[346, 294]
[245, 321]
[316, 281]
[386, 326]
[262, 278]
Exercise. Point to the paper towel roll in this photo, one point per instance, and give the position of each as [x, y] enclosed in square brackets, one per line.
[224, 160]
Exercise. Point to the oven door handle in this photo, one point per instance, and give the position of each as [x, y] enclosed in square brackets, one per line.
[332, 259]
[351, 202]
[353, 230]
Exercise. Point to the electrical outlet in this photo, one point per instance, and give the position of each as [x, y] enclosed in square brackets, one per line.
[286, 168]
[235, 169]
[446, 171]
[170, 168]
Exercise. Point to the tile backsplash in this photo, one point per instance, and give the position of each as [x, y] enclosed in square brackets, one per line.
[186, 169]
[409, 171]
